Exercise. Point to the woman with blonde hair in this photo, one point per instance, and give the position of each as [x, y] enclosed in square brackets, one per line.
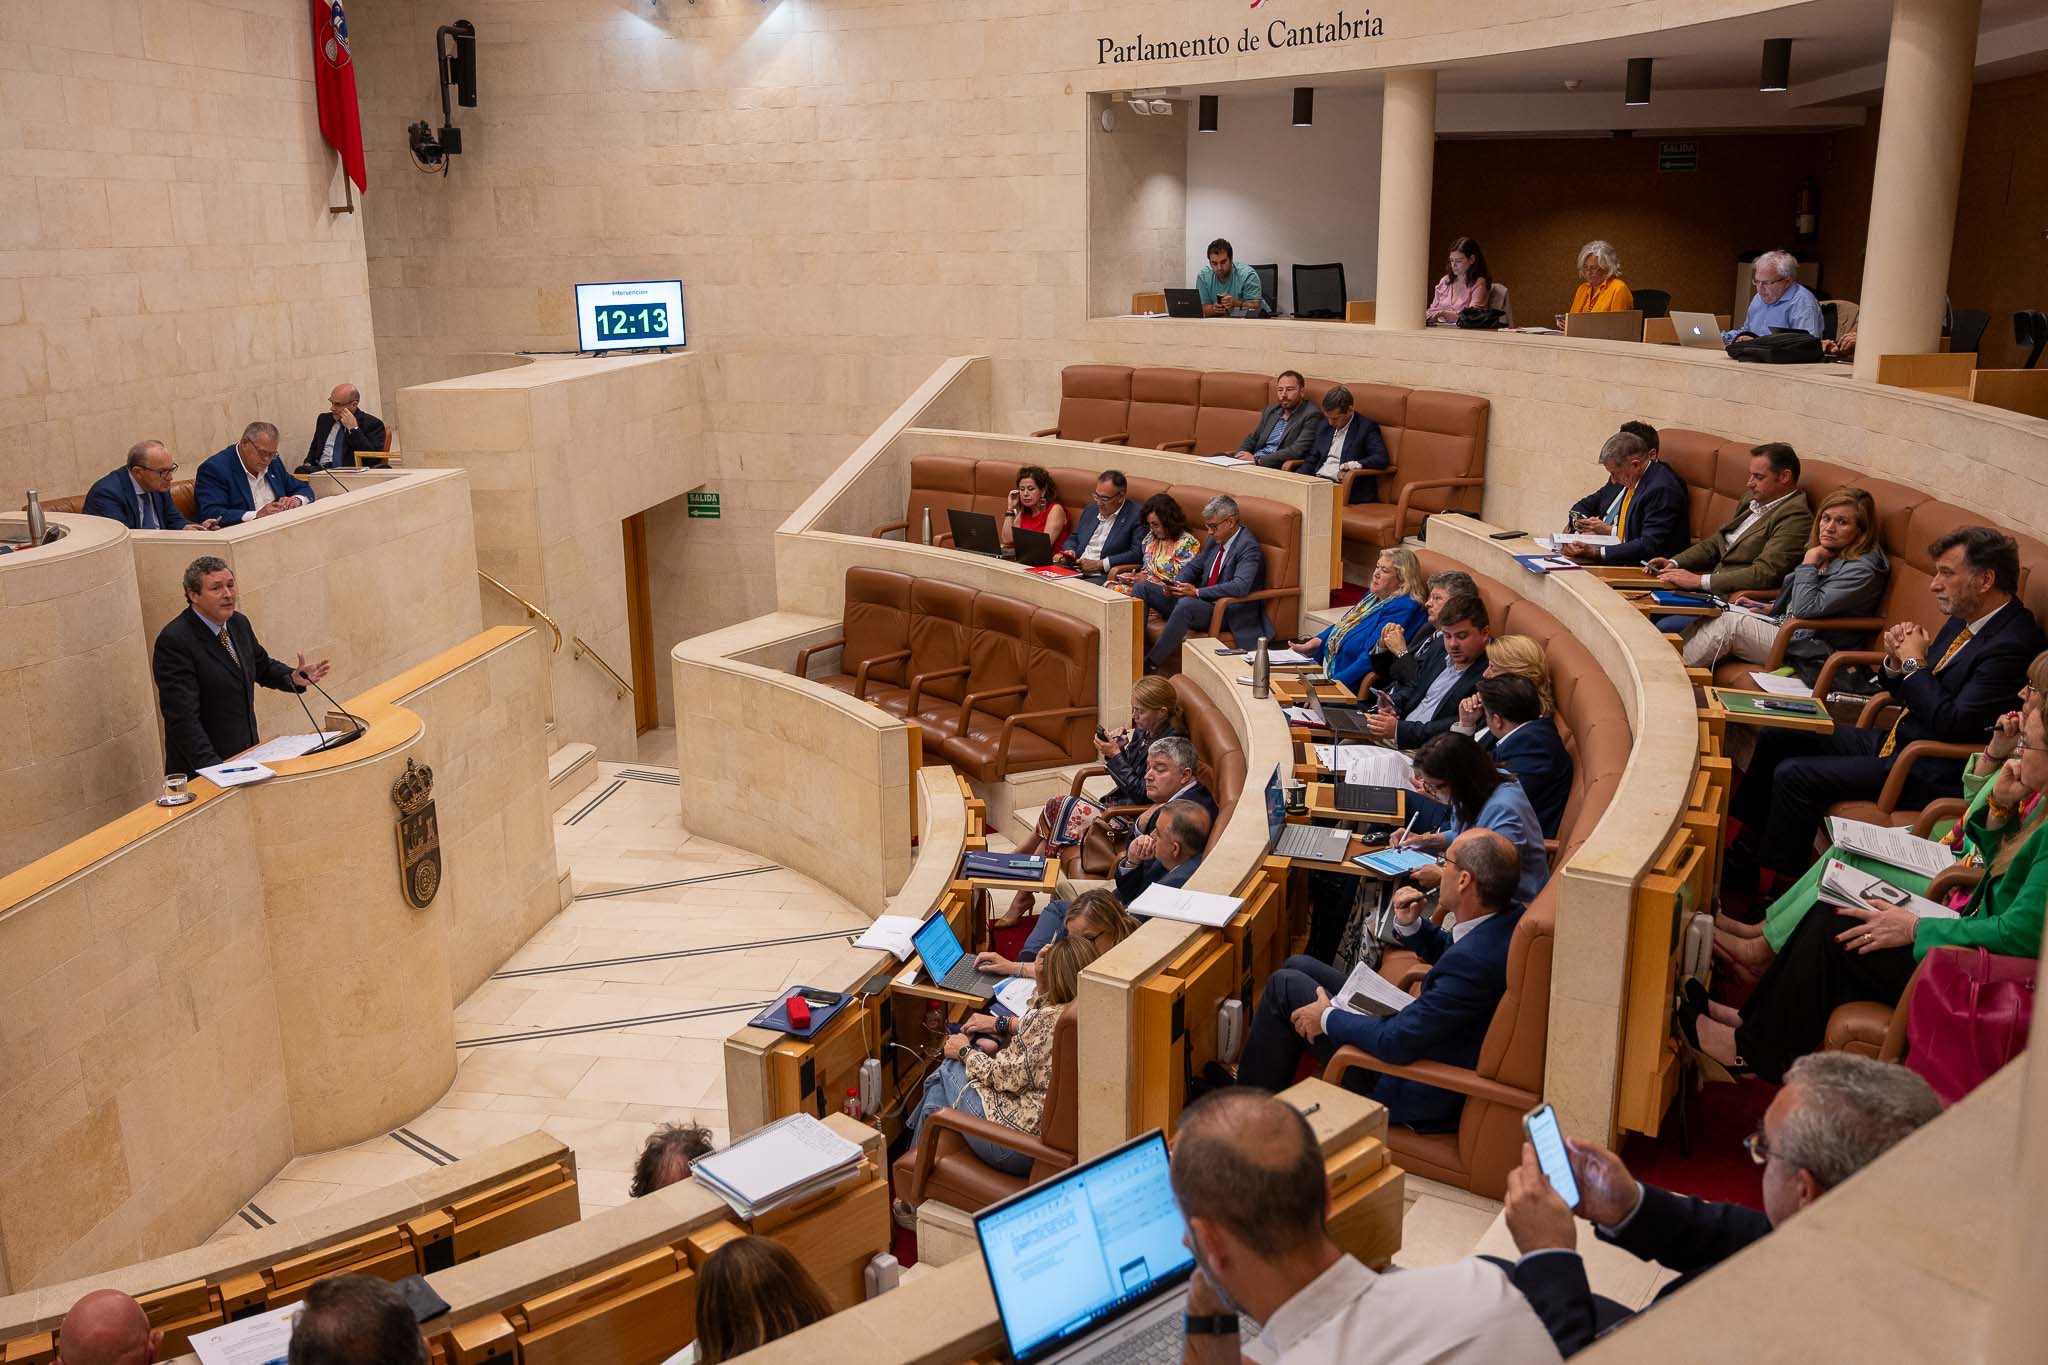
[1096, 915]
[751, 1291]
[1523, 657]
[1393, 596]
[1156, 712]
[1601, 288]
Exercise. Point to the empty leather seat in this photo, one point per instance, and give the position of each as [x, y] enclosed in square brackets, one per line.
[1164, 403]
[1095, 403]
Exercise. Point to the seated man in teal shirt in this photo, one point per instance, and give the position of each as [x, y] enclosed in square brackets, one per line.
[1229, 290]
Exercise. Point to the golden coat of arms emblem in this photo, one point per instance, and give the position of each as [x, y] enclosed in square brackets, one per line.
[419, 835]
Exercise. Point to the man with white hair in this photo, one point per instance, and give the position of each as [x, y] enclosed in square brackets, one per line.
[1780, 299]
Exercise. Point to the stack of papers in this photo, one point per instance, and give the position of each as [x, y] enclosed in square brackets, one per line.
[1843, 885]
[235, 774]
[1193, 907]
[1015, 994]
[1223, 459]
[1365, 991]
[890, 934]
[265, 1339]
[1897, 847]
[1780, 687]
[789, 1160]
[1368, 765]
[286, 746]
[1284, 658]
[1574, 538]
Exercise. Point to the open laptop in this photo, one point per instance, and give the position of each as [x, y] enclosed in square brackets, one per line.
[1034, 548]
[1090, 1265]
[1312, 843]
[1183, 303]
[1342, 720]
[947, 963]
[1605, 326]
[974, 532]
[1699, 330]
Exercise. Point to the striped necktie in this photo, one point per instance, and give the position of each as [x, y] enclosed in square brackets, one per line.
[229, 646]
[1891, 738]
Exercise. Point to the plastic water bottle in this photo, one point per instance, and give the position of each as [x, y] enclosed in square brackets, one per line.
[1262, 671]
[852, 1106]
[925, 530]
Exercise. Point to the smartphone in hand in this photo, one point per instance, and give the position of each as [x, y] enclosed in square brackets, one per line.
[1540, 1124]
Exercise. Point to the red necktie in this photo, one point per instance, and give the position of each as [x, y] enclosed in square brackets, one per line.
[1215, 568]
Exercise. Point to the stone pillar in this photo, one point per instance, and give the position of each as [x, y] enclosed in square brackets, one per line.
[1919, 169]
[2019, 1311]
[1407, 171]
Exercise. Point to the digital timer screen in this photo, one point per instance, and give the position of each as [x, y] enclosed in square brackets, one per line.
[629, 314]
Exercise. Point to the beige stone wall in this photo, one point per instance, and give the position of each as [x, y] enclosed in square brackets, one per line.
[168, 266]
[139, 1052]
[79, 737]
[373, 580]
[560, 452]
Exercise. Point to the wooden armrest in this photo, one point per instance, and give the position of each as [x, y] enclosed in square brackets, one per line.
[1840, 660]
[1010, 724]
[1439, 1074]
[1082, 776]
[1955, 879]
[1408, 493]
[942, 538]
[860, 675]
[803, 656]
[967, 702]
[1047, 431]
[1120, 571]
[1115, 438]
[1871, 709]
[1903, 761]
[1186, 447]
[1934, 812]
[968, 1125]
[1786, 629]
[1763, 596]
[1351, 476]
[917, 683]
[1262, 595]
[887, 527]
[1412, 978]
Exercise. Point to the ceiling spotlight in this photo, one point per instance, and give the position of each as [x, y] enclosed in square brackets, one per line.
[1205, 116]
[1638, 93]
[1162, 106]
[1777, 72]
[1142, 108]
[1304, 106]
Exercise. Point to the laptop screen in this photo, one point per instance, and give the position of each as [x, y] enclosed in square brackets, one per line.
[1276, 808]
[937, 945]
[1066, 1256]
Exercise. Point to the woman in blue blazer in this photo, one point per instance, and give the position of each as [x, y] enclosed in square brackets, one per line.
[1393, 597]
[1453, 770]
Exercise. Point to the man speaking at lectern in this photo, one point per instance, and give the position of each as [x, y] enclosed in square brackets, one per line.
[207, 664]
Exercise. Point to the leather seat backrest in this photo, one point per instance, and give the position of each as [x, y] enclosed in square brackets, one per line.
[1731, 483]
[1218, 749]
[1444, 437]
[1076, 487]
[1692, 456]
[1513, 1051]
[993, 480]
[1060, 1124]
[1278, 529]
[72, 504]
[1231, 403]
[1060, 665]
[1140, 490]
[185, 497]
[1929, 521]
[1524, 617]
[2034, 576]
[998, 652]
[1895, 504]
[1163, 406]
[876, 621]
[1095, 401]
[937, 484]
[1818, 478]
[941, 634]
[1387, 405]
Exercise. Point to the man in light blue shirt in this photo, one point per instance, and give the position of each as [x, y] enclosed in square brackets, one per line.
[1229, 290]
[1780, 301]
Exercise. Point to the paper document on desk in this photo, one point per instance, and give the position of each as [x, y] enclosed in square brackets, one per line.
[1191, 907]
[1897, 847]
[890, 934]
[265, 1339]
[286, 746]
[1284, 658]
[1551, 543]
[1298, 715]
[1843, 885]
[775, 1165]
[1015, 994]
[1365, 991]
[1226, 460]
[1780, 687]
[1368, 765]
[237, 774]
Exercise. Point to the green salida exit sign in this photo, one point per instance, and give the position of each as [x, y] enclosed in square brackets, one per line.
[1678, 156]
[703, 506]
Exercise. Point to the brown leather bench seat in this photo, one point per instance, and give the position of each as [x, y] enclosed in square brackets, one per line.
[997, 685]
[183, 496]
[942, 482]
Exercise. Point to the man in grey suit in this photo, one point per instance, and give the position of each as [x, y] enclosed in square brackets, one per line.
[1231, 567]
[1286, 429]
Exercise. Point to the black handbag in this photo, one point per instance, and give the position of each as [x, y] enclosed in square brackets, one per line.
[1779, 348]
[1482, 319]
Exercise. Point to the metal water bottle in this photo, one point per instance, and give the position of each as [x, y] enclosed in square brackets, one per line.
[1262, 671]
[925, 528]
[37, 524]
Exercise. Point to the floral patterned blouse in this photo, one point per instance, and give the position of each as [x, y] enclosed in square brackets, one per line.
[1012, 1082]
[1162, 562]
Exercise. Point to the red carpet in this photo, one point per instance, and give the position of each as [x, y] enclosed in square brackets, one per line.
[1722, 1116]
[1350, 595]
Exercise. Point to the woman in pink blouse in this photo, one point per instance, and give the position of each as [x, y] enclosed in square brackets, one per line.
[1466, 284]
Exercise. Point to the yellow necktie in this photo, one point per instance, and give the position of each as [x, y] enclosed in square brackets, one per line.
[1621, 513]
[1891, 738]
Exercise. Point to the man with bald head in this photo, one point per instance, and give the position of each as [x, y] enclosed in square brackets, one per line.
[106, 1327]
[343, 432]
[1250, 1182]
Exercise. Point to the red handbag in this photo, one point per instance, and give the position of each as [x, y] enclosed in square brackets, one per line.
[1968, 1017]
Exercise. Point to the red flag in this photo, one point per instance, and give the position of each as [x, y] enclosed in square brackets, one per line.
[334, 78]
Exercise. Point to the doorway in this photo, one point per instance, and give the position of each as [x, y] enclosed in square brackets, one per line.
[640, 624]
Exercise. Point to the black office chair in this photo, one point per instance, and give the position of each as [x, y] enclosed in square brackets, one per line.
[2030, 329]
[1966, 328]
[1654, 303]
[1319, 291]
[1269, 290]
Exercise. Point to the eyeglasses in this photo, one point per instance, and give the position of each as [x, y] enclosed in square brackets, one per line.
[1211, 525]
[2022, 747]
[1111, 496]
[160, 468]
[1758, 1145]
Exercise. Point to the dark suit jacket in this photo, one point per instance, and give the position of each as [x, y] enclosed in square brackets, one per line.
[1389, 668]
[1362, 442]
[114, 497]
[1658, 518]
[1302, 427]
[1411, 734]
[208, 701]
[1959, 704]
[1447, 1023]
[1244, 571]
[1536, 755]
[367, 438]
[1129, 884]
[1676, 1231]
[223, 487]
[1126, 534]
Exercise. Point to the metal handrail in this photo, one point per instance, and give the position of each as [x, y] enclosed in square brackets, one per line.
[531, 610]
[584, 650]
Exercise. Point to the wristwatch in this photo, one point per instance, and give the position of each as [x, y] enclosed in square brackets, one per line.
[1209, 1325]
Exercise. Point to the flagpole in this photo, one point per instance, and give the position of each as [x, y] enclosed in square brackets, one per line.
[348, 190]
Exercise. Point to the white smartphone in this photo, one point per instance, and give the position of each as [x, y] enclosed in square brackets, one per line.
[1548, 1140]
